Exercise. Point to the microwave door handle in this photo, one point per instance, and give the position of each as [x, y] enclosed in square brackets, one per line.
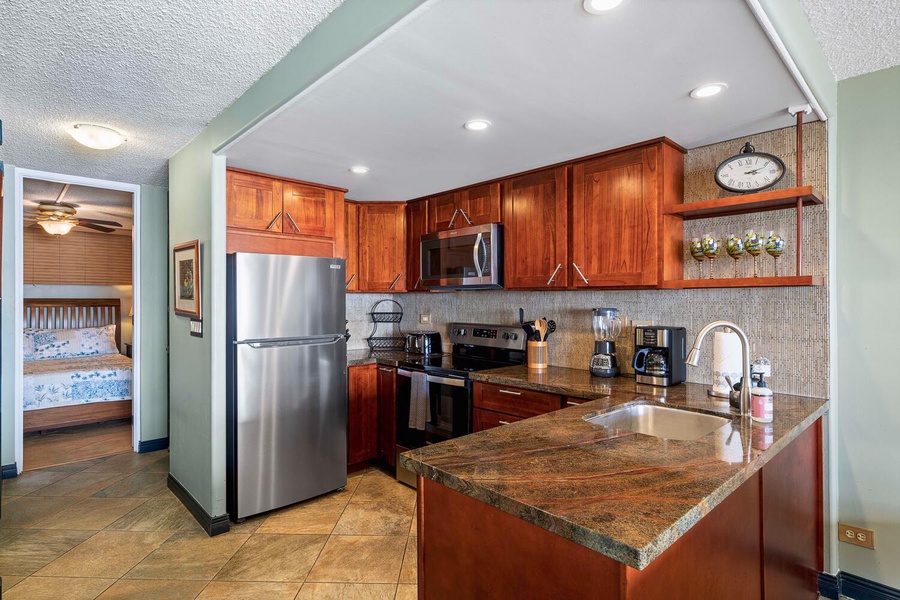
[479, 241]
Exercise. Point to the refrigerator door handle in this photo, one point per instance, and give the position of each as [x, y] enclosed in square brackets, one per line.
[321, 340]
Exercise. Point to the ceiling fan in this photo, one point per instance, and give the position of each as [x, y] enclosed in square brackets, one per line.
[58, 217]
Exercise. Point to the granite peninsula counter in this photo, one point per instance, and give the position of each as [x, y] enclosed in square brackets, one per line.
[626, 496]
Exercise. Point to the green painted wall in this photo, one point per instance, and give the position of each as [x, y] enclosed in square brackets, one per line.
[868, 218]
[8, 320]
[196, 211]
[152, 354]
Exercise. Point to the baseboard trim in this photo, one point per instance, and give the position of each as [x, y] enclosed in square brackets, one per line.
[829, 586]
[9, 471]
[153, 445]
[212, 525]
[855, 587]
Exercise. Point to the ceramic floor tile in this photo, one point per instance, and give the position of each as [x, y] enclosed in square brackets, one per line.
[7, 581]
[380, 488]
[127, 463]
[136, 485]
[375, 518]
[247, 590]
[75, 467]
[27, 512]
[31, 481]
[26, 551]
[314, 516]
[80, 484]
[155, 589]
[407, 592]
[414, 526]
[409, 573]
[41, 588]
[188, 555]
[106, 554]
[360, 559]
[250, 525]
[159, 466]
[347, 591]
[162, 513]
[90, 513]
[270, 557]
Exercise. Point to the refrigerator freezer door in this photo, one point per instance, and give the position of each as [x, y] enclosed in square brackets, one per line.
[287, 296]
[291, 423]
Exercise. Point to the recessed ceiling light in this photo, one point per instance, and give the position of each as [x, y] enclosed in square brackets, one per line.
[598, 7]
[359, 170]
[96, 136]
[477, 124]
[705, 91]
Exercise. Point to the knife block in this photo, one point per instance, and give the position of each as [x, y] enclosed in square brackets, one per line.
[538, 355]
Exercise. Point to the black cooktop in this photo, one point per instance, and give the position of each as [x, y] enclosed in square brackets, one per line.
[463, 361]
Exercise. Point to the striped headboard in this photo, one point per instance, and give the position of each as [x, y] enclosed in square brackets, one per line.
[74, 313]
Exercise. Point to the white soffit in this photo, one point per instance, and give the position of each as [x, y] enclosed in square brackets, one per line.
[555, 82]
[158, 72]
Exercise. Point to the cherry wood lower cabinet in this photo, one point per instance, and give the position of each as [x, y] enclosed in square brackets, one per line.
[764, 541]
[497, 405]
[362, 414]
[387, 414]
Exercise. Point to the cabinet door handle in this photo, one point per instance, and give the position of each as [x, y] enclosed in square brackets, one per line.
[465, 216]
[581, 274]
[396, 279]
[385, 369]
[418, 281]
[552, 277]
[511, 393]
[570, 403]
[293, 222]
[503, 422]
[350, 281]
[453, 218]
[275, 220]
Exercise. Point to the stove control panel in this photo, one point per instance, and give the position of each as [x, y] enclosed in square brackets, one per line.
[509, 337]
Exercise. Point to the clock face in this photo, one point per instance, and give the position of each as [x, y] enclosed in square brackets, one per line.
[749, 172]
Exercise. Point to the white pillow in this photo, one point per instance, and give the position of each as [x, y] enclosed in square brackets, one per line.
[46, 344]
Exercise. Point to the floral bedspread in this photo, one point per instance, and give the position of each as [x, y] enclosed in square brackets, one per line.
[68, 381]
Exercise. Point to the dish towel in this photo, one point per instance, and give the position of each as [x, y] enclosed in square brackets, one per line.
[419, 406]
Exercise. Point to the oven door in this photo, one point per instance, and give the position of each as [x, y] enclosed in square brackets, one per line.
[450, 399]
[462, 258]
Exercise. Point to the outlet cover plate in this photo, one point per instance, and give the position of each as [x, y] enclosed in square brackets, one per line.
[859, 536]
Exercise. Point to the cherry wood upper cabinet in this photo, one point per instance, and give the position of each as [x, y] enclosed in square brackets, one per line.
[362, 413]
[476, 205]
[616, 218]
[535, 229]
[382, 246]
[308, 210]
[351, 248]
[416, 226]
[254, 201]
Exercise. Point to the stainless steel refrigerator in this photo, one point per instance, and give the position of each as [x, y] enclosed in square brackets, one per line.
[287, 381]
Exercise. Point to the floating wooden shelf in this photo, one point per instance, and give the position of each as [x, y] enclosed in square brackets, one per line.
[748, 203]
[744, 282]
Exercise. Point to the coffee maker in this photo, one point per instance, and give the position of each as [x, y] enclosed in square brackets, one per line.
[659, 354]
[607, 327]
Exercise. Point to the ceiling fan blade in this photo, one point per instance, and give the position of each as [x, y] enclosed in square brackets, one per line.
[81, 223]
[100, 222]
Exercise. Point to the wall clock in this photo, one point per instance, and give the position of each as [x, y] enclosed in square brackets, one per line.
[749, 171]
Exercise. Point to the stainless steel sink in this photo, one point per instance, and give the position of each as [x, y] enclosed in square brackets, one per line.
[659, 421]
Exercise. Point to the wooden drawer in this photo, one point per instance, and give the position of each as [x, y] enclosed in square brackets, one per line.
[514, 401]
[488, 419]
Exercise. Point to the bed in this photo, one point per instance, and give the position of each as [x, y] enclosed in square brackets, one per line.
[73, 371]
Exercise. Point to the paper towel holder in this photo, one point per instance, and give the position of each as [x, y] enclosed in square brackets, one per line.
[720, 393]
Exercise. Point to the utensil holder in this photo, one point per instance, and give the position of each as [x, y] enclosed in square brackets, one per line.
[538, 355]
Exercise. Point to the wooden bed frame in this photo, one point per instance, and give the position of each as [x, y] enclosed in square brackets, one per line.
[75, 313]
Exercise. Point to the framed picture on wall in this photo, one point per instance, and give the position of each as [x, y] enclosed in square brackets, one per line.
[187, 279]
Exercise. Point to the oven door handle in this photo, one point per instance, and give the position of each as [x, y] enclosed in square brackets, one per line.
[404, 372]
[446, 381]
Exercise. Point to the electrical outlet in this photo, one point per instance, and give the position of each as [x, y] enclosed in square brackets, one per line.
[425, 319]
[857, 535]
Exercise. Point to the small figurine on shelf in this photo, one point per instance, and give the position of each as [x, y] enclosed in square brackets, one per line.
[754, 247]
[710, 250]
[775, 248]
[734, 246]
[697, 253]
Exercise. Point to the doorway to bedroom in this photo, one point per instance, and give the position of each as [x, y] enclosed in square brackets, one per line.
[78, 338]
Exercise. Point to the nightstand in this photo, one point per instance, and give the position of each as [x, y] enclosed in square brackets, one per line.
[128, 350]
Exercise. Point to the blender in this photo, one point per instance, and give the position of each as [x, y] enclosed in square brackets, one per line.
[607, 327]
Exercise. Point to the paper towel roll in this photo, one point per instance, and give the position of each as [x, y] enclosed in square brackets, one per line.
[726, 361]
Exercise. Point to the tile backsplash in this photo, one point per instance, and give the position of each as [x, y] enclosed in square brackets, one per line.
[789, 326]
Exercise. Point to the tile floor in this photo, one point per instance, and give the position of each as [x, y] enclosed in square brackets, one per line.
[109, 528]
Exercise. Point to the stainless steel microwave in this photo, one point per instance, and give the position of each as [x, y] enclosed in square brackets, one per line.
[467, 258]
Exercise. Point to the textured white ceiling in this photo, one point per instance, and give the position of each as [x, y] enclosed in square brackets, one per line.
[857, 37]
[90, 202]
[556, 82]
[157, 71]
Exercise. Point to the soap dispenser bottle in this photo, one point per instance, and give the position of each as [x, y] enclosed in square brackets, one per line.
[761, 402]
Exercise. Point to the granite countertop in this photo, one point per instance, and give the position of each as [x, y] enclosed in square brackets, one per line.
[389, 358]
[627, 496]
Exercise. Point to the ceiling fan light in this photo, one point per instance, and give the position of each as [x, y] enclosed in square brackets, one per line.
[57, 227]
[96, 136]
